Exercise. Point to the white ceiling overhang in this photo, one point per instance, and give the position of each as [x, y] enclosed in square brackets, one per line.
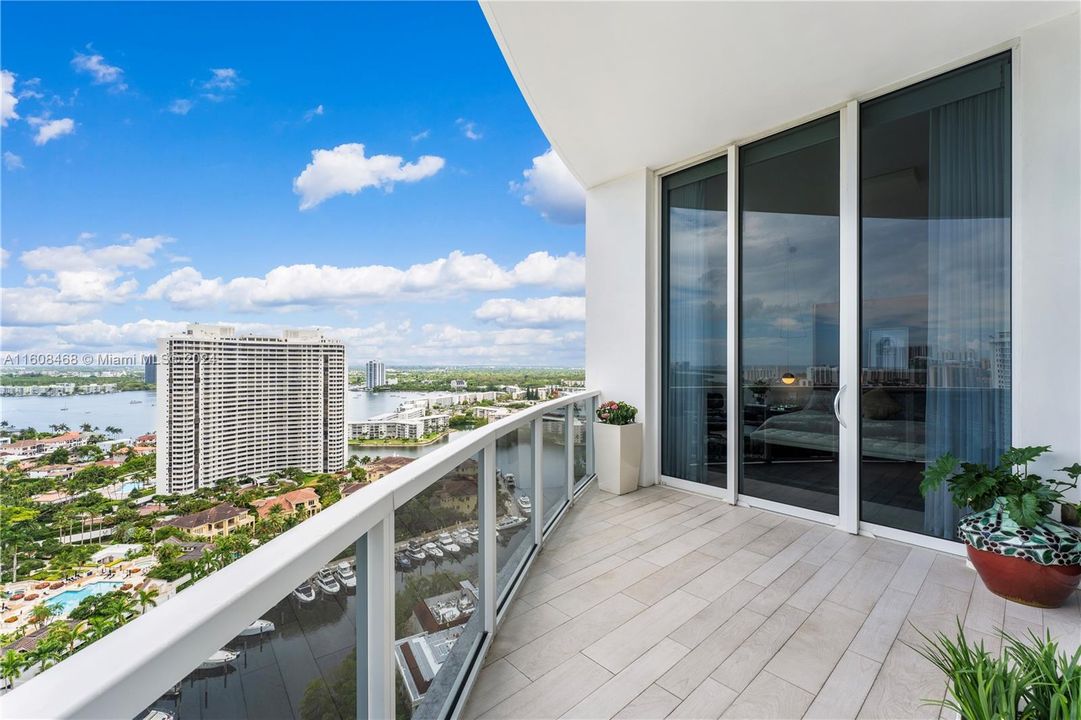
[618, 86]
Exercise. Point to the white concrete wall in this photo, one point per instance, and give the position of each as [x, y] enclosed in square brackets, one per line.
[619, 300]
[1047, 273]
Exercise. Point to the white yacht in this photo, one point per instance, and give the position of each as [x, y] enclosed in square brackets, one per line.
[257, 628]
[324, 580]
[433, 550]
[219, 659]
[345, 575]
[510, 522]
[463, 538]
[304, 592]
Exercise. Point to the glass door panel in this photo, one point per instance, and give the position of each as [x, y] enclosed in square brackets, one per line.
[935, 306]
[789, 314]
[694, 432]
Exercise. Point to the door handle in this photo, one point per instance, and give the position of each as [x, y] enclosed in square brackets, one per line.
[837, 406]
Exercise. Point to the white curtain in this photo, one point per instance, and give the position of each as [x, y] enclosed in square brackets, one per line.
[968, 381]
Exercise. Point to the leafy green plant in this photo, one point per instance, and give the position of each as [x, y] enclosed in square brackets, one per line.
[1028, 497]
[617, 413]
[981, 686]
[1054, 691]
[1029, 679]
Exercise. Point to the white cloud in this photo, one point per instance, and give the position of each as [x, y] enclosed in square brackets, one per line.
[222, 82]
[291, 286]
[51, 129]
[137, 253]
[422, 135]
[97, 333]
[4, 256]
[12, 161]
[313, 113]
[86, 236]
[533, 312]
[40, 306]
[102, 72]
[8, 101]
[181, 106]
[346, 169]
[566, 272]
[550, 188]
[469, 129]
[444, 343]
[96, 275]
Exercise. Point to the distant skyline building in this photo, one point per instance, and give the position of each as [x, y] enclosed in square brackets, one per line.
[246, 406]
[375, 374]
[150, 370]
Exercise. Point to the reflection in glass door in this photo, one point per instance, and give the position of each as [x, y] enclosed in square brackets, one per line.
[935, 255]
[789, 303]
[694, 309]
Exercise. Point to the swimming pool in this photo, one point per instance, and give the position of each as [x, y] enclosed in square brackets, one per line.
[68, 600]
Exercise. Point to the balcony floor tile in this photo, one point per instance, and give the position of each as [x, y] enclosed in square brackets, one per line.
[662, 603]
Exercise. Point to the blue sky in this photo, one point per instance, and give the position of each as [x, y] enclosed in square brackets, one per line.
[369, 168]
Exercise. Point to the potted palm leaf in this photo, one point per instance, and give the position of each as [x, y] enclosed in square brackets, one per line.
[618, 442]
[1019, 552]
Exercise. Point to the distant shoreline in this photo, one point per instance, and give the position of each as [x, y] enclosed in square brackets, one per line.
[397, 443]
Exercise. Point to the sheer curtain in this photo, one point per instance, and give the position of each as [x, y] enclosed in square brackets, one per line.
[688, 322]
[968, 381]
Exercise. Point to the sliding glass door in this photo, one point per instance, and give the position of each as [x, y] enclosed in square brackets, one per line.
[935, 329]
[694, 433]
[924, 368]
[789, 298]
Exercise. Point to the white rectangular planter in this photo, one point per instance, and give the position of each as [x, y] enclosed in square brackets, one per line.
[619, 456]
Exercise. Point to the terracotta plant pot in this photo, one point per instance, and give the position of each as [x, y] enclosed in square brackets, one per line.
[1023, 581]
[1039, 565]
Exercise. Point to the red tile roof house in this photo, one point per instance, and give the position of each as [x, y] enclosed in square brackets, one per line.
[148, 439]
[304, 500]
[41, 446]
[218, 521]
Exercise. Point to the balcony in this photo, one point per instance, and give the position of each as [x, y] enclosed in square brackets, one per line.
[589, 605]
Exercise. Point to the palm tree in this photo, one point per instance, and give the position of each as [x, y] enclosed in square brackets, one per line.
[64, 635]
[41, 613]
[146, 597]
[46, 655]
[99, 627]
[113, 430]
[12, 665]
[86, 427]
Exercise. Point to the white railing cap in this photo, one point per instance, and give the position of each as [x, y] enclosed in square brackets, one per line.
[127, 670]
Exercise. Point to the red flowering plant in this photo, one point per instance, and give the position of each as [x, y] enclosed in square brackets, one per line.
[616, 413]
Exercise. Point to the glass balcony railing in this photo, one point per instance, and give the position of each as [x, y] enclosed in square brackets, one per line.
[382, 605]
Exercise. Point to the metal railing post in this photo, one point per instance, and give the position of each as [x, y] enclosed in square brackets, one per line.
[361, 610]
[568, 444]
[488, 493]
[380, 638]
[591, 418]
[537, 446]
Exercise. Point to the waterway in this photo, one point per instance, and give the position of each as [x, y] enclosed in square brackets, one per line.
[134, 411]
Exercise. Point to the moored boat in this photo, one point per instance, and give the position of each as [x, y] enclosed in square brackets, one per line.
[324, 580]
[415, 552]
[219, 659]
[257, 628]
[510, 522]
[346, 576]
[304, 592]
